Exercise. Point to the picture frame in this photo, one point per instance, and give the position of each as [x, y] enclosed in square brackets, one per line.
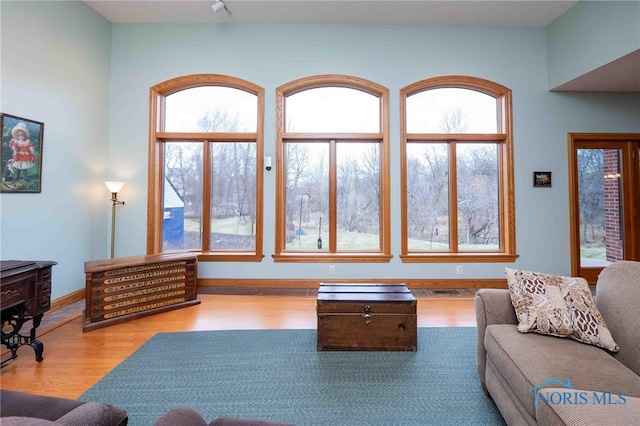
[542, 179]
[21, 154]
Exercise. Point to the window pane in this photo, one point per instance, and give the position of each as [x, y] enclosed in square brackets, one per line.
[332, 109]
[358, 196]
[182, 203]
[428, 196]
[233, 196]
[451, 110]
[601, 208]
[211, 109]
[478, 214]
[307, 196]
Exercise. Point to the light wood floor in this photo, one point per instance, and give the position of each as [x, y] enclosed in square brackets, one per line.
[74, 361]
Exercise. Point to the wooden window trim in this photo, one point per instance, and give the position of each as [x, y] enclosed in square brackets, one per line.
[504, 139]
[157, 96]
[350, 82]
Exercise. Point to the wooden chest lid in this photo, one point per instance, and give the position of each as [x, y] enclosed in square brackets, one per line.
[364, 293]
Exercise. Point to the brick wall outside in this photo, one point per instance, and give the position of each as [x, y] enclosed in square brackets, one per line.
[612, 200]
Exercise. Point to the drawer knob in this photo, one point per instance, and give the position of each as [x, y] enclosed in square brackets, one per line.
[367, 316]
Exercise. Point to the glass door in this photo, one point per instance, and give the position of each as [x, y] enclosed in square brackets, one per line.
[604, 209]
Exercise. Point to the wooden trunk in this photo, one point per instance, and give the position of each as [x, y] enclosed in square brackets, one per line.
[122, 289]
[366, 317]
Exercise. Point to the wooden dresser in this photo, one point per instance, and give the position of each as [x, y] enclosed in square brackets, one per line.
[25, 296]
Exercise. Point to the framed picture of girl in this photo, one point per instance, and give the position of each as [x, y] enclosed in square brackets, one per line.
[21, 159]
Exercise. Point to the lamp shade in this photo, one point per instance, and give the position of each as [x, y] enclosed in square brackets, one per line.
[114, 186]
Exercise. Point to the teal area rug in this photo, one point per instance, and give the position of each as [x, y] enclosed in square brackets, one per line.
[278, 375]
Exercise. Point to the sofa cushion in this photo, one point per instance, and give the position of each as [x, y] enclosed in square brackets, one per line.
[559, 306]
[528, 360]
[586, 408]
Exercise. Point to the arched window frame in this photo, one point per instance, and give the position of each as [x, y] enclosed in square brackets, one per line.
[332, 255]
[504, 139]
[157, 137]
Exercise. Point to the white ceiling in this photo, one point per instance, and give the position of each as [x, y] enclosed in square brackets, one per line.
[622, 75]
[407, 12]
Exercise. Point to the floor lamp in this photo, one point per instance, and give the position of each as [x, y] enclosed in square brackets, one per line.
[114, 188]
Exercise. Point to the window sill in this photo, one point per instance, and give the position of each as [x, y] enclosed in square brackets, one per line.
[229, 257]
[458, 257]
[359, 257]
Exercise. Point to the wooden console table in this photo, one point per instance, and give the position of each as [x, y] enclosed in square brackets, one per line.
[25, 296]
[125, 288]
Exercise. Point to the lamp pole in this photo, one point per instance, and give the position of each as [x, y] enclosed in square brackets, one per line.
[114, 187]
[114, 199]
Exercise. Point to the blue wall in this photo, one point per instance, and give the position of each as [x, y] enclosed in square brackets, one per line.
[589, 35]
[394, 56]
[56, 66]
[89, 81]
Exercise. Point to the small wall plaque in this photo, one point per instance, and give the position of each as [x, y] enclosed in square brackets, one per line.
[542, 179]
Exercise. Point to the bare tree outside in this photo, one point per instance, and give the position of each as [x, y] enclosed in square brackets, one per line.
[358, 196]
[183, 195]
[218, 121]
[307, 195]
[233, 197]
[358, 189]
[331, 110]
[428, 196]
[591, 203]
[477, 170]
[428, 191]
[453, 121]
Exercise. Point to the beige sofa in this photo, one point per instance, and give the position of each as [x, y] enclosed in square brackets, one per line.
[539, 379]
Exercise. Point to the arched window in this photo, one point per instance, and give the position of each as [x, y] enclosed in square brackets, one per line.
[457, 171]
[332, 184]
[205, 162]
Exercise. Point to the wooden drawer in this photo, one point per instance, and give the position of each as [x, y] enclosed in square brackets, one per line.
[15, 290]
[43, 296]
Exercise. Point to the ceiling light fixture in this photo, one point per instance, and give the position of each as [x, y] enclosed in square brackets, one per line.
[219, 5]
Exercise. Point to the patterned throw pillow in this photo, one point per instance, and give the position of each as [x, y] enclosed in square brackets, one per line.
[558, 306]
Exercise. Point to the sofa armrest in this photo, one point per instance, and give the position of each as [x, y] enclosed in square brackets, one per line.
[492, 306]
[95, 414]
[181, 416]
[22, 404]
[60, 410]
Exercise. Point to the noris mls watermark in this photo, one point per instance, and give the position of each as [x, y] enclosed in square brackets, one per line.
[571, 396]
